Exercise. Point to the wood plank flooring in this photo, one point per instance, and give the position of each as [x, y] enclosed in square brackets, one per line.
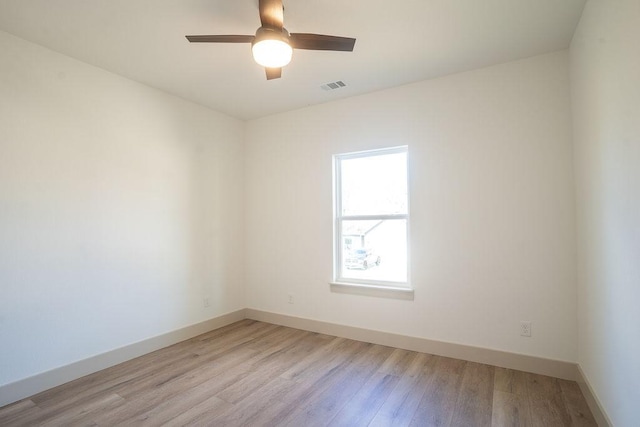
[258, 374]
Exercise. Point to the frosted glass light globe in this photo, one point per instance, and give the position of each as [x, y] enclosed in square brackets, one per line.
[272, 53]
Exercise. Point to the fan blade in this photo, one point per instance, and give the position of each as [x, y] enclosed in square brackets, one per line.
[220, 39]
[271, 13]
[273, 73]
[321, 42]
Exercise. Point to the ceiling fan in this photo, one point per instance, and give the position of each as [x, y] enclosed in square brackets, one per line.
[272, 46]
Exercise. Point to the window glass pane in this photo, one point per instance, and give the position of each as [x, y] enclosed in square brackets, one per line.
[374, 185]
[374, 250]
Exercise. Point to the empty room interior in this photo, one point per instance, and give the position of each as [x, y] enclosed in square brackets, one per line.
[429, 216]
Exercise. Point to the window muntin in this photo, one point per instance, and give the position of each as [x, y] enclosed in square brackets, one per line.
[371, 217]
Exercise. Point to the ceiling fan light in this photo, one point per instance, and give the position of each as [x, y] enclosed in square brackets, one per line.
[272, 53]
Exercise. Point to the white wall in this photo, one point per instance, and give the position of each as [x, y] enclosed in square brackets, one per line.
[605, 74]
[492, 205]
[120, 209]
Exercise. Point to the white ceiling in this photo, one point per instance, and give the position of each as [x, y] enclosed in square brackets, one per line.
[397, 42]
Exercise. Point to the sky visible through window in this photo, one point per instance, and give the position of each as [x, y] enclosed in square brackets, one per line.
[375, 185]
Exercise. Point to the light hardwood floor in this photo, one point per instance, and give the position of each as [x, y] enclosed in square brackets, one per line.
[256, 374]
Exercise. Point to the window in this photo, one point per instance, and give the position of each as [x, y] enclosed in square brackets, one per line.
[371, 217]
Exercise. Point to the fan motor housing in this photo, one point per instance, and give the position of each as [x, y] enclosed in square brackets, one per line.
[268, 33]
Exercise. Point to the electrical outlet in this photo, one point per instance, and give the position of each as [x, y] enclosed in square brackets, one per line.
[290, 301]
[205, 301]
[525, 328]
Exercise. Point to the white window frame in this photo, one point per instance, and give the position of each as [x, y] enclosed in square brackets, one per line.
[339, 279]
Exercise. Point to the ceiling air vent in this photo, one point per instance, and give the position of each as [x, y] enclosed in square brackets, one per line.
[333, 85]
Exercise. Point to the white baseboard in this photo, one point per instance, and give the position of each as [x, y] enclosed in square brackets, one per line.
[592, 400]
[521, 362]
[15, 391]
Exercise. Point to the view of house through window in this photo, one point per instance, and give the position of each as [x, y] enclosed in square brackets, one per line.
[371, 218]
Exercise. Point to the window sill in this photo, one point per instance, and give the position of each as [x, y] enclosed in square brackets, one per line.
[372, 290]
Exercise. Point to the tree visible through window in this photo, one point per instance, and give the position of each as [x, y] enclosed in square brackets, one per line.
[371, 217]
